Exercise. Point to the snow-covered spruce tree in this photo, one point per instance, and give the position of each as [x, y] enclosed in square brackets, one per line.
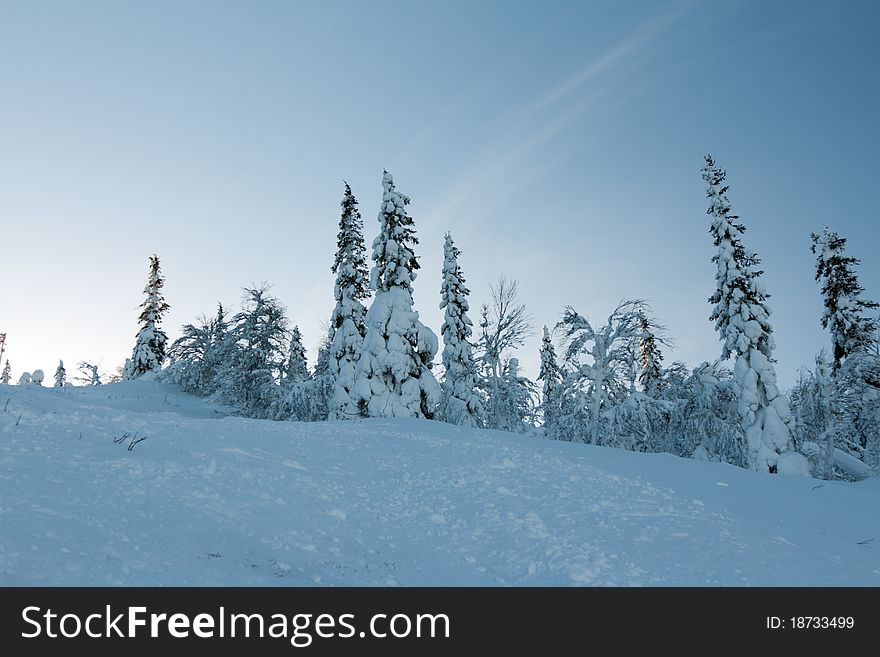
[149, 348]
[393, 375]
[60, 375]
[551, 377]
[742, 319]
[650, 356]
[323, 382]
[6, 374]
[844, 316]
[299, 397]
[322, 361]
[255, 350]
[296, 369]
[461, 402]
[221, 347]
[347, 327]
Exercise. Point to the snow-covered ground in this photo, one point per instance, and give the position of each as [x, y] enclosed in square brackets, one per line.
[212, 500]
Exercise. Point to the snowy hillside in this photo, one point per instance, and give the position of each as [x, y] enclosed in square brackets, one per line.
[207, 499]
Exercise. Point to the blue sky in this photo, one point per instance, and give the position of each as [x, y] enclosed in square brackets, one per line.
[560, 142]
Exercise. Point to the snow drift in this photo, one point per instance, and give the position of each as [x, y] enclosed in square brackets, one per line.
[136, 483]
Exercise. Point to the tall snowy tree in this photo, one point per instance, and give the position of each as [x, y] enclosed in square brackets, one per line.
[551, 377]
[504, 325]
[347, 327]
[323, 382]
[60, 375]
[650, 355]
[851, 330]
[221, 348]
[296, 370]
[300, 396]
[393, 376]
[322, 360]
[149, 349]
[742, 319]
[461, 402]
[6, 375]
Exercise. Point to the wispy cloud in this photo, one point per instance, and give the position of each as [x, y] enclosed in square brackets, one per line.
[494, 170]
[633, 43]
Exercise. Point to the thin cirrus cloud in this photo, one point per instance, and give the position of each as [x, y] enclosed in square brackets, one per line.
[507, 161]
[635, 42]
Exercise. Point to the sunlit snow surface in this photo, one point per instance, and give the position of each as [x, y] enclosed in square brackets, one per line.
[213, 500]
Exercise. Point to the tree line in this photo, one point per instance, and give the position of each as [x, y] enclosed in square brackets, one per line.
[599, 383]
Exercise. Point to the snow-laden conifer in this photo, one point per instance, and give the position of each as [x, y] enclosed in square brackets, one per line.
[650, 356]
[149, 348]
[60, 375]
[347, 327]
[296, 369]
[393, 376]
[551, 377]
[461, 401]
[742, 319]
[844, 316]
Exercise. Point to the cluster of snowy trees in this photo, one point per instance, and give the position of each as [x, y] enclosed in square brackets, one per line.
[377, 359]
[88, 376]
[599, 383]
[610, 387]
[836, 406]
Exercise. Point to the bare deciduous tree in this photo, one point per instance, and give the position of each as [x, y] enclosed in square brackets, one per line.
[505, 324]
[89, 374]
